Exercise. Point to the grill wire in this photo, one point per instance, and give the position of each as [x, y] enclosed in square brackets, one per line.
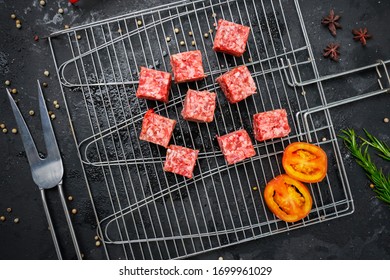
[145, 213]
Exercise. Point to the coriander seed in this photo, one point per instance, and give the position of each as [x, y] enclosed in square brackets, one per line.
[206, 35]
[139, 22]
[70, 198]
[42, 3]
[7, 83]
[96, 237]
[55, 102]
[193, 43]
[98, 243]
[177, 30]
[66, 26]
[13, 16]
[46, 73]
[323, 139]
[16, 220]
[31, 112]
[190, 33]
[372, 186]
[14, 91]
[52, 116]
[9, 209]
[386, 120]
[18, 21]
[74, 211]
[60, 10]
[57, 106]
[168, 39]
[14, 131]
[2, 125]
[78, 37]
[44, 84]
[182, 43]
[18, 26]
[5, 130]
[254, 188]
[220, 258]
[2, 218]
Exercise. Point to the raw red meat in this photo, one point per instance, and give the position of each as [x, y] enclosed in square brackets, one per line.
[157, 129]
[187, 66]
[199, 106]
[236, 146]
[154, 85]
[237, 84]
[231, 38]
[270, 124]
[180, 160]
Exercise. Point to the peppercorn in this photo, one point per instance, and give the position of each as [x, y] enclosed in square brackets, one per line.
[42, 3]
[14, 91]
[139, 22]
[9, 209]
[16, 220]
[182, 43]
[18, 26]
[5, 130]
[78, 37]
[168, 39]
[323, 139]
[18, 21]
[2, 126]
[98, 243]
[46, 73]
[14, 131]
[206, 35]
[372, 186]
[60, 10]
[57, 106]
[96, 237]
[7, 83]
[177, 30]
[2, 218]
[193, 43]
[190, 33]
[52, 116]
[31, 112]
[70, 198]
[13, 16]
[74, 211]
[386, 120]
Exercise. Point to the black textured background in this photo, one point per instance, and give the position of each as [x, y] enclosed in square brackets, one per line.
[363, 235]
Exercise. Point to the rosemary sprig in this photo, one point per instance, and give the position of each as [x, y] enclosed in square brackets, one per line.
[360, 152]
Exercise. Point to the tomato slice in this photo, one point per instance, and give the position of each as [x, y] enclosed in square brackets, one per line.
[287, 198]
[305, 162]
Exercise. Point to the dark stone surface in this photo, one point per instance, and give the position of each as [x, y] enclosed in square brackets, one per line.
[363, 235]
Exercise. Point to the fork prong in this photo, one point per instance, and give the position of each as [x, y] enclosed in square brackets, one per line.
[28, 142]
[48, 134]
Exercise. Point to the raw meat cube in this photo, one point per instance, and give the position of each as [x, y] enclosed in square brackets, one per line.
[180, 160]
[270, 124]
[231, 38]
[236, 146]
[154, 85]
[187, 66]
[157, 129]
[199, 106]
[237, 84]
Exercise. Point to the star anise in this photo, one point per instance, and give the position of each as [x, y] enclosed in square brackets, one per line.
[361, 35]
[331, 22]
[332, 51]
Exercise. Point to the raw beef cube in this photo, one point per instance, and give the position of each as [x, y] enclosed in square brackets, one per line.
[199, 106]
[187, 66]
[237, 84]
[236, 146]
[270, 124]
[154, 85]
[231, 38]
[180, 160]
[157, 129]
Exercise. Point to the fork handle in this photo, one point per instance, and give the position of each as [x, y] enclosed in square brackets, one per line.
[69, 222]
[49, 221]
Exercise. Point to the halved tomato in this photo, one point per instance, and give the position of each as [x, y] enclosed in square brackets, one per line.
[305, 162]
[287, 198]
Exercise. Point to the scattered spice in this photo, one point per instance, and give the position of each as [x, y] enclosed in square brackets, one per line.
[46, 73]
[120, 31]
[5, 130]
[7, 83]
[74, 211]
[42, 3]
[13, 16]
[55, 102]
[193, 43]
[60, 10]
[14, 91]
[2, 218]
[386, 120]
[70, 198]
[206, 35]
[36, 38]
[18, 21]
[2, 125]
[211, 31]
[220, 258]
[372, 186]
[78, 37]
[57, 106]
[168, 39]
[177, 30]
[213, 14]
[361, 35]
[139, 22]
[66, 26]
[9, 209]
[44, 84]
[97, 237]
[332, 51]
[82, 255]
[323, 139]
[250, 59]
[50, 113]
[182, 43]
[31, 112]
[98, 243]
[331, 22]
[52, 116]
[18, 26]
[16, 220]
[14, 131]
[255, 188]
[190, 33]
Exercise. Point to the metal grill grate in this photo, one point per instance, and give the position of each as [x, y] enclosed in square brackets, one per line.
[145, 213]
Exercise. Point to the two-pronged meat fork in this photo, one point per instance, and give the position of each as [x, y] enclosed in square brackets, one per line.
[47, 172]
